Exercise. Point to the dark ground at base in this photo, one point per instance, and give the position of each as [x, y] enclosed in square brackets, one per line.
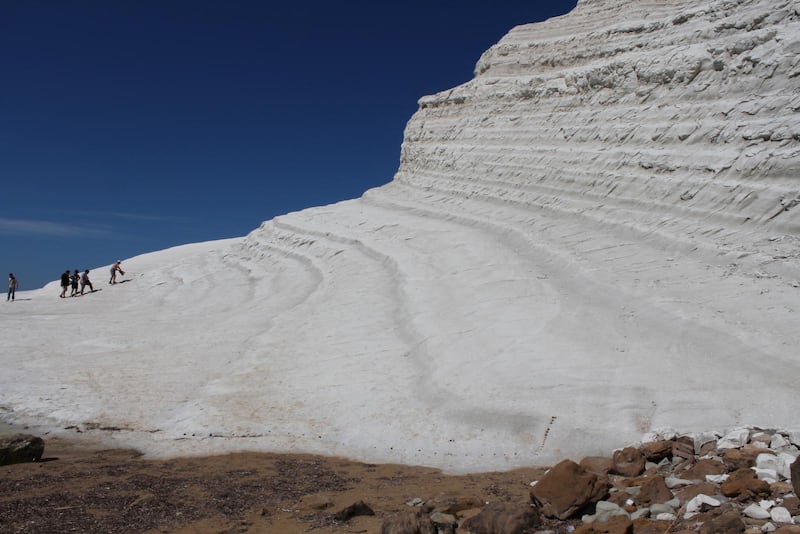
[92, 491]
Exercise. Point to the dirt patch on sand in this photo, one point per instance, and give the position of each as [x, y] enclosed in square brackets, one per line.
[79, 490]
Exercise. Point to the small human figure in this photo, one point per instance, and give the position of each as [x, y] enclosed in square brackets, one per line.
[74, 279]
[64, 283]
[13, 284]
[114, 268]
[86, 282]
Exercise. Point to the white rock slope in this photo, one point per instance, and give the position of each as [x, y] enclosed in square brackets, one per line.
[595, 238]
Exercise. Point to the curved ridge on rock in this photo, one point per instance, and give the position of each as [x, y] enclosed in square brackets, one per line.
[594, 238]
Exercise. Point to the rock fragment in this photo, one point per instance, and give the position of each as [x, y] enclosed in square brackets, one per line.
[21, 448]
[567, 488]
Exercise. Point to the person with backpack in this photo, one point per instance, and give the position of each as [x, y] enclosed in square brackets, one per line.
[86, 282]
[64, 284]
[74, 279]
[13, 284]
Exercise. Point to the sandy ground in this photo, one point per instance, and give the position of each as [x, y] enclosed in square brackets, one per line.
[75, 489]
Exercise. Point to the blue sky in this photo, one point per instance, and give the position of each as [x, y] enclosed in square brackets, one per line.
[129, 127]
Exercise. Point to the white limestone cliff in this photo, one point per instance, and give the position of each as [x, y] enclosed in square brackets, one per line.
[595, 238]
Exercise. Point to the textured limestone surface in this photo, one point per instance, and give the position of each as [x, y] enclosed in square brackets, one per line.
[596, 237]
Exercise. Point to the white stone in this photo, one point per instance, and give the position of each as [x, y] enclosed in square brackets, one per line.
[661, 508]
[766, 504]
[674, 482]
[734, 439]
[703, 438]
[650, 437]
[785, 461]
[756, 512]
[768, 527]
[605, 510]
[642, 513]
[697, 502]
[794, 437]
[666, 516]
[717, 479]
[761, 438]
[779, 514]
[778, 442]
[768, 475]
[767, 461]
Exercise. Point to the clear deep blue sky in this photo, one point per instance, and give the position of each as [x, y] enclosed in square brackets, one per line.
[132, 126]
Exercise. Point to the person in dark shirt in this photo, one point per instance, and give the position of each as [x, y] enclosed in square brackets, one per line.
[13, 284]
[64, 283]
[74, 280]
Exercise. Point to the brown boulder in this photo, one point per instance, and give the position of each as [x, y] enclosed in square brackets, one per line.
[788, 529]
[21, 448]
[355, 509]
[794, 469]
[618, 524]
[792, 504]
[650, 526]
[743, 458]
[657, 450]
[744, 484]
[504, 518]
[628, 462]
[567, 488]
[690, 492]
[599, 465]
[729, 523]
[702, 468]
[408, 523]
[653, 491]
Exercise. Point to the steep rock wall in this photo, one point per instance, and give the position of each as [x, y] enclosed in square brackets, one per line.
[596, 237]
[661, 115]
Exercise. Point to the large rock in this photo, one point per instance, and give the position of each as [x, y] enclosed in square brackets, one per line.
[628, 462]
[741, 458]
[616, 525]
[355, 509]
[744, 484]
[653, 490]
[655, 451]
[727, 523]
[504, 518]
[795, 473]
[567, 488]
[702, 468]
[415, 522]
[21, 448]
[599, 465]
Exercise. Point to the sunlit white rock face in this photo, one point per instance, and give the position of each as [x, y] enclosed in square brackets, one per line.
[675, 117]
[595, 238]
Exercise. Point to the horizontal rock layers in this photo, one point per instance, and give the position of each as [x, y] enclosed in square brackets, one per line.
[595, 238]
[577, 240]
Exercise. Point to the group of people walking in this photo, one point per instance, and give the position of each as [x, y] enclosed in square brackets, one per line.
[69, 280]
[73, 280]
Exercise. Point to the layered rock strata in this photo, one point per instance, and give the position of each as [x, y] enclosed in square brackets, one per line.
[596, 237]
[622, 180]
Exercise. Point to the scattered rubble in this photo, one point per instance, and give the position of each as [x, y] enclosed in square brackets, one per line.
[745, 481]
